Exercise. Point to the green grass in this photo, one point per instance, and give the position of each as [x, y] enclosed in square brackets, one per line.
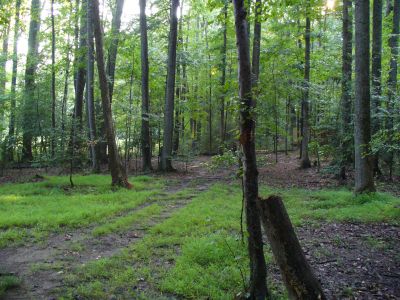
[33, 210]
[124, 223]
[197, 253]
[8, 282]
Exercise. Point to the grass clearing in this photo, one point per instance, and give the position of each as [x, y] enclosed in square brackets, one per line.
[32, 210]
[198, 252]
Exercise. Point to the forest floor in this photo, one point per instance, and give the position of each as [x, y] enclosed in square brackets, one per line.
[178, 235]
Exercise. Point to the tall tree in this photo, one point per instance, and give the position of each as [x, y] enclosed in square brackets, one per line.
[113, 49]
[118, 173]
[256, 43]
[3, 62]
[223, 76]
[392, 79]
[89, 89]
[346, 100]
[305, 105]
[376, 72]
[11, 127]
[166, 164]
[364, 181]
[146, 138]
[53, 82]
[258, 287]
[80, 71]
[30, 76]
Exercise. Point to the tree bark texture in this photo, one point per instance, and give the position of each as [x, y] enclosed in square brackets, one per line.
[297, 274]
[166, 156]
[145, 132]
[364, 181]
[258, 286]
[30, 75]
[118, 174]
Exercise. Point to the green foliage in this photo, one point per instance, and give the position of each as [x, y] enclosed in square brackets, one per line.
[226, 160]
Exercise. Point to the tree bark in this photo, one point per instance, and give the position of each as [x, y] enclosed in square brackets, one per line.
[223, 77]
[89, 90]
[146, 137]
[256, 43]
[30, 75]
[80, 74]
[118, 174]
[376, 72]
[166, 164]
[297, 274]
[346, 101]
[113, 50]
[364, 181]
[11, 127]
[53, 82]
[305, 160]
[258, 286]
[392, 80]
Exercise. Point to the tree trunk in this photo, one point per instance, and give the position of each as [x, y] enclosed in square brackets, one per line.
[80, 77]
[346, 101]
[53, 82]
[3, 62]
[258, 286]
[364, 181]
[112, 51]
[146, 138]
[305, 160]
[89, 90]
[30, 75]
[256, 43]
[392, 81]
[376, 73]
[11, 128]
[166, 155]
[297, 274]
[223, 78]
[118, 174]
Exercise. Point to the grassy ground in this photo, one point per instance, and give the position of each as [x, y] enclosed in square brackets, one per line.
[196, 253]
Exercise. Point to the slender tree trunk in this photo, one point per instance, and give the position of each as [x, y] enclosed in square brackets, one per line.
[65, 96]
[53, 82]
[258, 287]
[346, 143]
[89, 90]
[178, 83]
[364, 181]
[392, 80]
[30, 75]
[146, 138]
[3, 62]
[166, 155]
[118, 174]
[305, 105]
[11, 127]
[80, 74]
[376, 73]
[256, 43]
[223, 77]
[113, 50]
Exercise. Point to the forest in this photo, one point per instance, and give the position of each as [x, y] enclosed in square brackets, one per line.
[199, 149]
